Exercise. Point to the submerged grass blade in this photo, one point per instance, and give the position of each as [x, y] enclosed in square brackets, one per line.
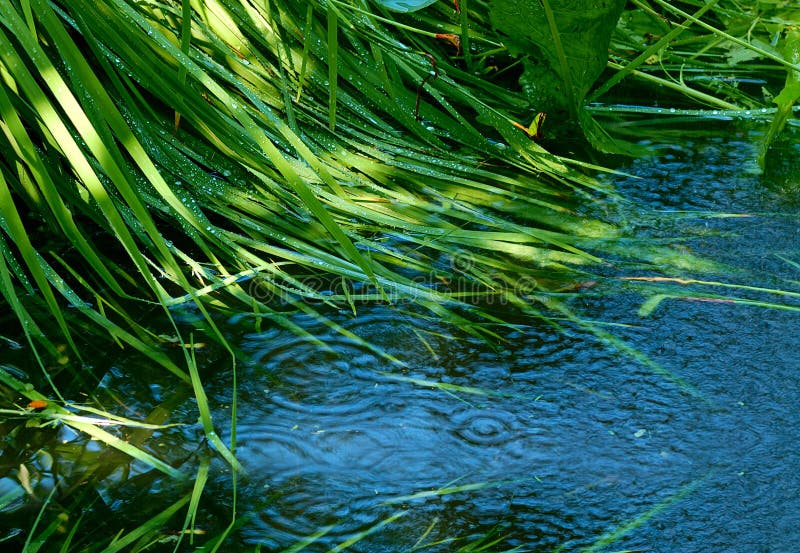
[657, 295]
[371, 530]
[448, 490]
[445, 386]
[618, 533]
[33, 544]
[200, 480]
[627, 349]
[309, 540]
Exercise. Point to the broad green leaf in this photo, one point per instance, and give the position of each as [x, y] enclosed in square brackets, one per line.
[566, 49]
[571, 39]
[787, 97]
[405, 5]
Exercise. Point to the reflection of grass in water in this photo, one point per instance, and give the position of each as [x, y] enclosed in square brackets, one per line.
[190, 163]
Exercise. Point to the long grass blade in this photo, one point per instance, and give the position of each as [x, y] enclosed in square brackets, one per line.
[617, 533]
[150, 527]
[205, 415]
[333, 65]
[34, 543]
[371, 530]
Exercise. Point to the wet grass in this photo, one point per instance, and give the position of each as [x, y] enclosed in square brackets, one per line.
[227, 158]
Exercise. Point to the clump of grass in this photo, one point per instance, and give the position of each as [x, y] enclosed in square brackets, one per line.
[707, 60]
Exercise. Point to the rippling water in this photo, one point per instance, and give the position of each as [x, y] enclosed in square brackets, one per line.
[571, 438]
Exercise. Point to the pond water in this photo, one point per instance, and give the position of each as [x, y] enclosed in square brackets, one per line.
[551, 441]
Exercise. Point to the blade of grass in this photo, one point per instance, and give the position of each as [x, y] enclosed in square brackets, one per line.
[309, 540]
[371, 530]
[455, 489]
[454, 387]
[200, 480]
[616, 534]
[307, 30]
[19, 235]
[739, 42]
[33, 544]
[150, 527]
[205, 414]
[649, 51]
[333, 72]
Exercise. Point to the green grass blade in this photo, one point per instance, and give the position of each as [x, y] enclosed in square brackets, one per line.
[333, 72]
[19, 235]
[616, 534]
[205, 415]
[649, 51]
[66, 543]
[466, 48]
[371, 530]
[448, 490]
[150, 527]
[33, 544]
[307, 30]
[454, 387]
[200, 480]
[309, 540]
[722, 34]
[565, 69]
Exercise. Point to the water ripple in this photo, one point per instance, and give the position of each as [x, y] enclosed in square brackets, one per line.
[486, 427]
